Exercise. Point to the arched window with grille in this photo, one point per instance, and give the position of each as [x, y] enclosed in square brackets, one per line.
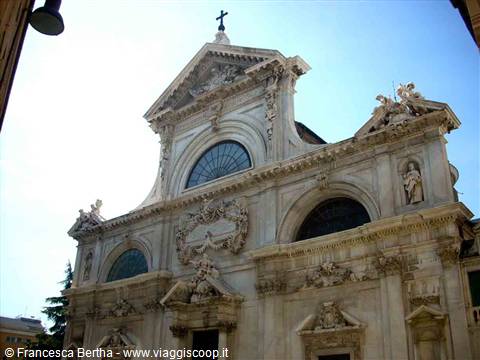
[130, 263]
[331, 216]
[224, 158]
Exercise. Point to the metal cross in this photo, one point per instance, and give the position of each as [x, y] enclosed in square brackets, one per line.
[222, 14]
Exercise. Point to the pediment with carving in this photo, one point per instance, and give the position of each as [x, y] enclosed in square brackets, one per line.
[329, 328]
[216, 226]
[215, 65]
[329, 317]
[87, 219]
[395, 112]
[114, 343]
[204, 301]
[204, 286]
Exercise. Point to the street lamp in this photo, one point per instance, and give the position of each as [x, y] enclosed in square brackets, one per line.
[47, 19]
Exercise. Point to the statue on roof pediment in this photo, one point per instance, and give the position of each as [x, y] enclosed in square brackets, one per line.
[392, 112]
[87, 220]
[220, 74]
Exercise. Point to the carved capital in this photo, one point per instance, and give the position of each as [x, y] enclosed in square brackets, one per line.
[178, 330]
[227, 326]
[94, 313]
[448, 254]
[152, 305]
[122, 308]
[271, 286]
[388, 265]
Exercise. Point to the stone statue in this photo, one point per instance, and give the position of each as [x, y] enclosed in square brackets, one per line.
[330, 316]
[96, 207]
[412, 182]
[88, 266]
[205, 267]
[406, 92]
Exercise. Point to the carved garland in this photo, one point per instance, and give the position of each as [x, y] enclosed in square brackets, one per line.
[329, 274]
[209, 214]
[166, 139]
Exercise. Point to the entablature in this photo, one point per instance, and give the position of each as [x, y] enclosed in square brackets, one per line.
[367, 233]
[442, 120]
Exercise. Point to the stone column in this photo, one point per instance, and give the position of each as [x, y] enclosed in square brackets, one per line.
[455, 303]
[274, 331]
[78, 269]
[393, 312]
[440, 187]
[222, 343]
[385, 186]
[179, 336]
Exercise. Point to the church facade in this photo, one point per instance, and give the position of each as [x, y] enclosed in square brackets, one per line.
[260, 237]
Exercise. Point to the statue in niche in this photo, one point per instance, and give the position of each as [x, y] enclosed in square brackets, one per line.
[412, 182]
[88, 266]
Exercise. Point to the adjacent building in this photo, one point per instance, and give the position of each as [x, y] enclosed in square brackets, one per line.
[17, 333]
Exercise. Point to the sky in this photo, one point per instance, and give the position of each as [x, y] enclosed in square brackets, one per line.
[74, 128]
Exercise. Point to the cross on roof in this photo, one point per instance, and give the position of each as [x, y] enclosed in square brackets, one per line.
[222, 15]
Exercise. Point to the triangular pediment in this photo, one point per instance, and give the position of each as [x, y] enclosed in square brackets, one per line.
[423, 312]
[116, 339]
[409, 105]
[214, 66]
[184, 292]
[328, 317]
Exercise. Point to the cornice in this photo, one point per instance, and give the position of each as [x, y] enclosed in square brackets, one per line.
[370, 232]
[441, 119]
[255, 75]
[136, 280]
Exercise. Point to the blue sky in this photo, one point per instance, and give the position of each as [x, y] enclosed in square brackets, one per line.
[74, 130]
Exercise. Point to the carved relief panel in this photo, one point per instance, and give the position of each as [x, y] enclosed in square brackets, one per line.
[216, 226]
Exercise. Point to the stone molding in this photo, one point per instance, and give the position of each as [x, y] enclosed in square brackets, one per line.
[441, 118]
[367, 233]
[234, 211]
[331, 328]
[144, 279]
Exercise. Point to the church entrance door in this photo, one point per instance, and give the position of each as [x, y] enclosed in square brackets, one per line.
[205, 340]
[334, 357]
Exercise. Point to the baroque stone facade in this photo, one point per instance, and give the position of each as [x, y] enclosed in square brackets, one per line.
[222, 254]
